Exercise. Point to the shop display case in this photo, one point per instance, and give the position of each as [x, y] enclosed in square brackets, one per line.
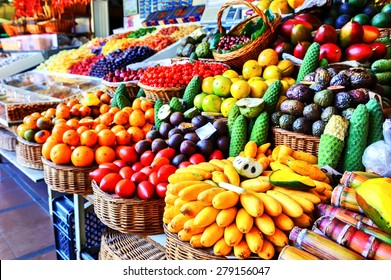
[13, 63]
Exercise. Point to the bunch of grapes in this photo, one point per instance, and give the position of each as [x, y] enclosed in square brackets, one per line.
[230, 42]
[119, 59]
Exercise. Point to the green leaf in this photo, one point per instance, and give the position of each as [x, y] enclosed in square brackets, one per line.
[269, 14]
[259, 32]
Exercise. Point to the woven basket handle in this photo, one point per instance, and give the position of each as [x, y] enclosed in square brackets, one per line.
[248, 4]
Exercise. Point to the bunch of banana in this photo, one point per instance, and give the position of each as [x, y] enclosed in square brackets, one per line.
[210, 205]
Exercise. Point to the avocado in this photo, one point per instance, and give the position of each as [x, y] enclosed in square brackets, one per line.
[318, 128]
[275, 118]
[188, 40]
[341, 79]
[286, 121]
[328, 112]
[312, 112]
[310, 77]
[322, 76]
[342, 20]
[302, 125]
[317, 87]
[179, 50]
[188, 49]
[342, 100]
[299, 92]
[347, 114]
[381, 20]
[324, 98]
[360, 78]
[292, 107]
[347, 9]
[332, 71]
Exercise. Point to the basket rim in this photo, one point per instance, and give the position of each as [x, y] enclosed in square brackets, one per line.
[117, 84]
[296, 134]
[28, 143]
[66, 167]
[160, 88]
[115, 199]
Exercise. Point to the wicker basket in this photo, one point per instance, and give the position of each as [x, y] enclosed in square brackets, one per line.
[237, 58]
[180, 250]
[297, 141]
[33, 27]
[120, 246]
[131, 87]
[67, 178]
[129, 215]
[164, 94]
[8, 140]
[29, 154]
[57, 25]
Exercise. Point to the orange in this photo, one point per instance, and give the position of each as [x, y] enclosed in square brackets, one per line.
[121, 117]
[146, 104]
[85, 111]
[137, 118]
[136, 133]
[100, 126]
[127, 109]
[117, 128]
[105, 98]
[61, 154]
[63, 112]
[41, 136]
[147, 127]
[150, 115]
[104, 108]
[71, 137]
[104, 154]
[50, 113]
[73, 123]
[136, 104]
[75, 110]
[122, 137]
[47, 147]
[82, 156]
[59, 130]
[114, 110]
[106, 137]
[107, 118]
[89, 138]
[81, 129]
[58, 121]
[36, 115]
[71, 102]
[31, 122]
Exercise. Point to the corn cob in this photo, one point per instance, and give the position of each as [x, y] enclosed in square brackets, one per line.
[357, 140]
[375, 130]
[332, 141]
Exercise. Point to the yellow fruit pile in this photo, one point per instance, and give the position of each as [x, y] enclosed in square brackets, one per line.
[253, 217]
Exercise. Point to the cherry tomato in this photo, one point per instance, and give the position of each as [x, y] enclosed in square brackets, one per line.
[137, 166]
[216, 154]
[127, 153]
[125, 188]
[167, 153]
[110, 166]
[165, 171]
[161, 189]
[109, 182]
[184, 164]
[197, 158]
[153, 178]
[158, 162]
[126, 172]
[99, 173]
[147, 170]
[147, 157]
[120, 163]
[145, 190]
[138, 177]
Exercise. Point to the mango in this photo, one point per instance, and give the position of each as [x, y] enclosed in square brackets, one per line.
[374, 197]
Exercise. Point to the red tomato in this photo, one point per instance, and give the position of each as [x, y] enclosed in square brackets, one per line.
[161, 189]
[99, 173]
[145, 190]
[147, 157]
[153, 178]
[137, 166]
[158, 162]
[147, 170]
[138, 177]
[127, 153]
[125, 188]
[167, 153]
[184, 164]
[197, 158]
[165, 171]
[126, 172]
[109, 181]
[110, 166]
[216, 154]
[120, 163]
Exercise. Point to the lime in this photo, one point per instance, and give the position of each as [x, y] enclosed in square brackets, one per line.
[272, 72]
[212, 103]
[227, 105]
[251, 68]
[198, 100]
[221, 86]
[240, 89]
[29, 135]
[207, 85]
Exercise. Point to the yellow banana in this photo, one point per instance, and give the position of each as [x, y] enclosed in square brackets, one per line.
[289, 206]
[221, 248]
[252, 204]
[232, 175]
[259, 184]
[205, 197]
[308, 206]
[191, 208]
[206, 216]
[303, 221]
[271, 206]
[265, 224]
[283, 222]
[219, 176]
[267, 252]
[232, 235]
[190, 227]
[279, 238]
[254, 239]
[226, 216]
[310, 196]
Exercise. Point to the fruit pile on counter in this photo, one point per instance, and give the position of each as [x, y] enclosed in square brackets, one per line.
[230, 190]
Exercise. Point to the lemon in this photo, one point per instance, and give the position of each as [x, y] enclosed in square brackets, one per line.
[272, 72]
[257, 88]
[22, 128]
[280, 7]
[231, 74]
[207, 85]
[285, 86]
[270, 81]
[240, 89]
[294, 4]
[290, 81]
[286, 67]
[227, 105]
[251, 68]
[212, 103]
[264, 4]
[268, 57]
[198, 100]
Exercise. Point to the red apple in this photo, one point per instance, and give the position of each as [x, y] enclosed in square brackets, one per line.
[331, 52]
[351, 33]
[326, 34]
